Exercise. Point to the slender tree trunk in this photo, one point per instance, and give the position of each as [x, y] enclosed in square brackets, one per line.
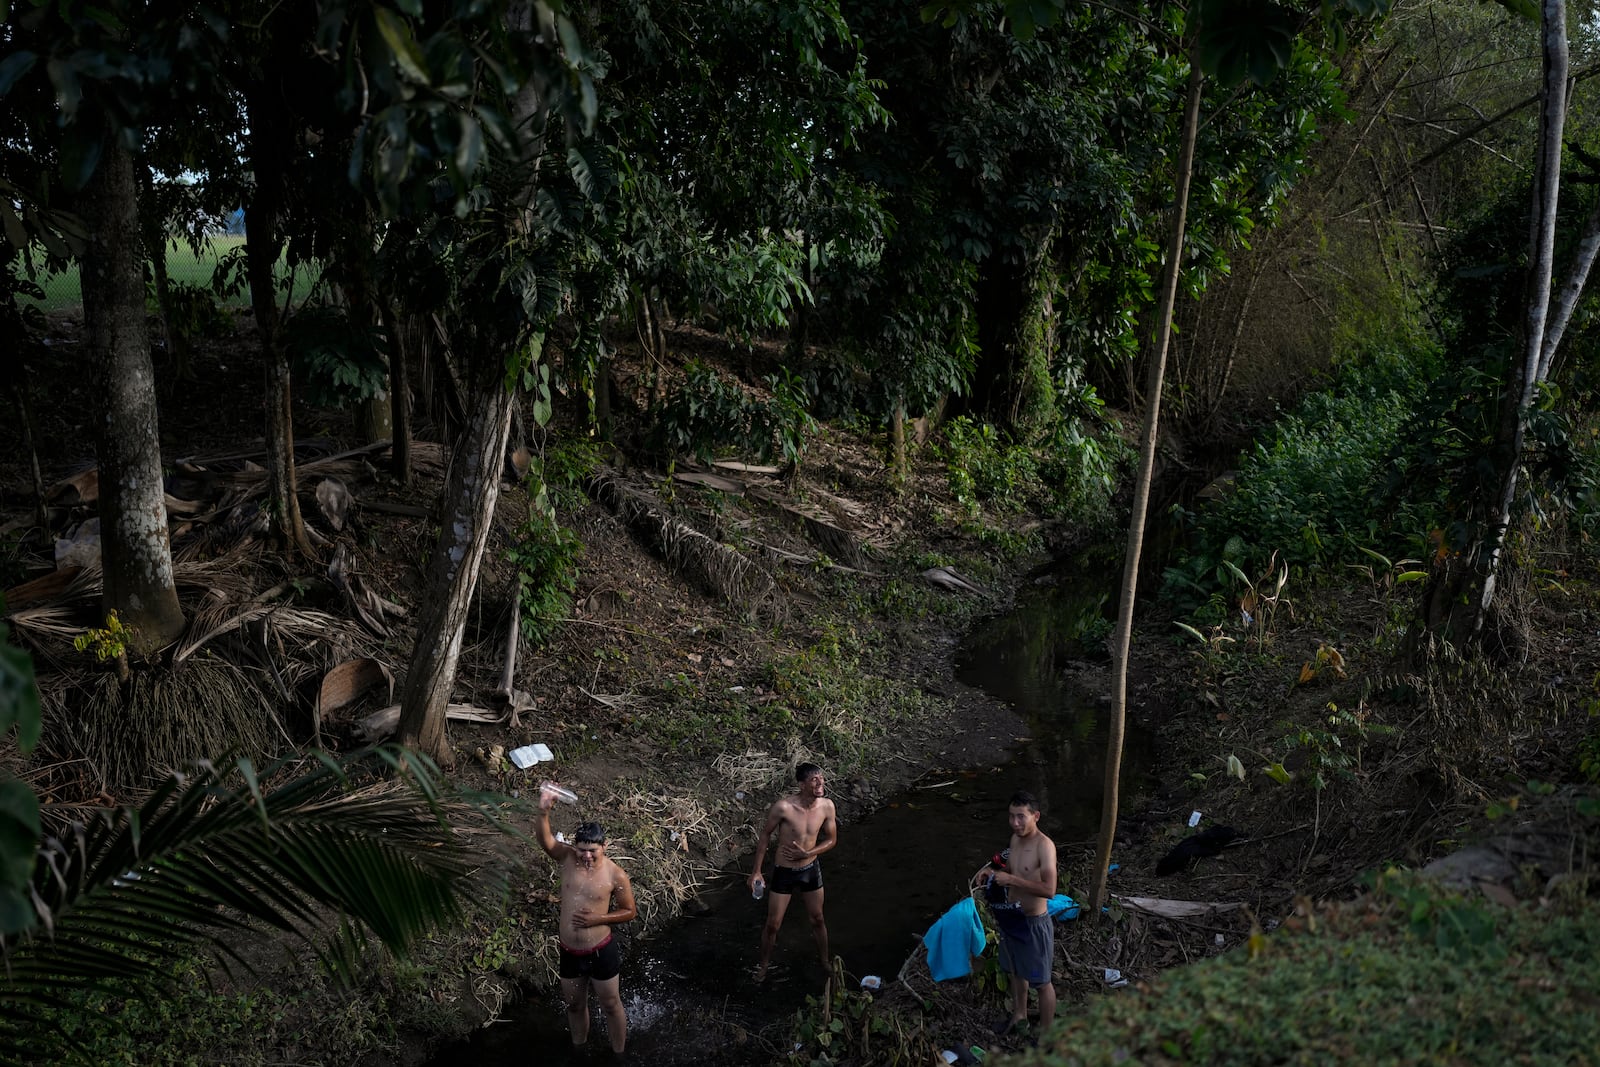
[1122, 637]
[470, 496]
[897, 443]
[473, 487]
[263, 246]
[135, 555]
[1523, 376]
[602, 390]
[399, 337]
[1567, 300]
[24, 395]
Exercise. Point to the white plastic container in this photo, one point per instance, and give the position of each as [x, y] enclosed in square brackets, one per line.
[559, 792]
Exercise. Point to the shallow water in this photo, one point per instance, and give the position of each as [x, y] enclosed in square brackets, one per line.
[689, 992]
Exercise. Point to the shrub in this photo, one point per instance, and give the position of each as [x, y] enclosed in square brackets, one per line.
[708, 414]
[339, 363]
[1316, 489]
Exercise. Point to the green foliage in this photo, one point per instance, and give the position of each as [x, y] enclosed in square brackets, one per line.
[568, 463]
[546, 555]
[194, 312]
[107, 642]
[1411, 975]
[219, 850]
[1331, 751]
[1308, 491]
[843, 1025]
[983, 468]
[196, 1023]
[19, 806]
[338, 362]
[708, 414]
[1072, 473]
[1589, 757]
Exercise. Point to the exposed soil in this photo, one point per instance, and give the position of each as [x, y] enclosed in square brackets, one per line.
[676, 713]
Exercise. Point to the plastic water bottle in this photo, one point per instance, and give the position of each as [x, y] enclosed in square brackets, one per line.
[760, 888]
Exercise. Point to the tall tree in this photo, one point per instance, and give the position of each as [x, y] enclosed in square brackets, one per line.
[108, 69]
[514, 258]
[135, 553]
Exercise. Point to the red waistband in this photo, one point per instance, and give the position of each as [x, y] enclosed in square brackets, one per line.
[586, 951]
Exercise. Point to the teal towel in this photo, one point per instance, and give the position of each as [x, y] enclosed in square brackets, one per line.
[953, 941]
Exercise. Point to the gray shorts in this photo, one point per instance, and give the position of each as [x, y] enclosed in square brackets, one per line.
[1029, 952]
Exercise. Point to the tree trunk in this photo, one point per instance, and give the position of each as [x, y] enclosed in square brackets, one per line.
[472, 489]
[269, 146]
[399, 336]
[1010, 385]
[1523, 377]
[897, 443]
[1122, 637]
[135, 555]
[470, 496]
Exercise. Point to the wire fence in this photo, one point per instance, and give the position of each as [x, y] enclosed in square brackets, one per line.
[62, 291]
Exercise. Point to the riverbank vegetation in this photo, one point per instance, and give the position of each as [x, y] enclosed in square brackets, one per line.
[678, 405]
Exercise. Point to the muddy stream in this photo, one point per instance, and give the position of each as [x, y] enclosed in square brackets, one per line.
[688, 991]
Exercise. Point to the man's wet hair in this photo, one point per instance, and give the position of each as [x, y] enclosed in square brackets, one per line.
[590, 833]
[1024, 799]
[806, 770]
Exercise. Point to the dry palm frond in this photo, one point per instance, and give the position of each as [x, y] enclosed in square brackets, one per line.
[163, 720]
[46, 624]
[718, 568]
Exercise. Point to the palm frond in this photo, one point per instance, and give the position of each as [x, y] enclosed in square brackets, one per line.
[122, 895]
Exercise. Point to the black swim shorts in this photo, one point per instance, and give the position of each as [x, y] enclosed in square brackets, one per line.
[598, 964]
[797, 879]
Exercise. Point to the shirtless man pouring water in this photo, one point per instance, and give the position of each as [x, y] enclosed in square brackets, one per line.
[595, 896]
[807, 827]
[1018, 885]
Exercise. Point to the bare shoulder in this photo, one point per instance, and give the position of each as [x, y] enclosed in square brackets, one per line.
[619, 877]
[827, 807]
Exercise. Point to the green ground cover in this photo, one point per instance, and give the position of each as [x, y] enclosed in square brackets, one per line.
[1408, 976]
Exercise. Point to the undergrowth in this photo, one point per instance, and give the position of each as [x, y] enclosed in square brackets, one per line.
[1409, 975]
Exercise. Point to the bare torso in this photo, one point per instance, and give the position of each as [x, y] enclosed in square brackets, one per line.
[1029, 857]
[587, 891]
[798, 827]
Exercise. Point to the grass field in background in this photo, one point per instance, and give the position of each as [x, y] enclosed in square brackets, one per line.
[63, 293]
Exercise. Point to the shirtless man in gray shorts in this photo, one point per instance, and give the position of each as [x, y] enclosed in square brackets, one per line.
[1018, 885]
[807, 826]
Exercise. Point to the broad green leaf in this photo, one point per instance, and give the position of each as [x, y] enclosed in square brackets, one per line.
[1410, 576]
[1276, 772]
[1191, 631]
[397, 34]
[19, 696]
[80, 155]
[19, 833]
[1363, 549]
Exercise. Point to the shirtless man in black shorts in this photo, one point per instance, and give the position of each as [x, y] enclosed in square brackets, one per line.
[590, 956]
[807, 827]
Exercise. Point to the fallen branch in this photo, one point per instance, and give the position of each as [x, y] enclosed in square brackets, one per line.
[722, 570]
